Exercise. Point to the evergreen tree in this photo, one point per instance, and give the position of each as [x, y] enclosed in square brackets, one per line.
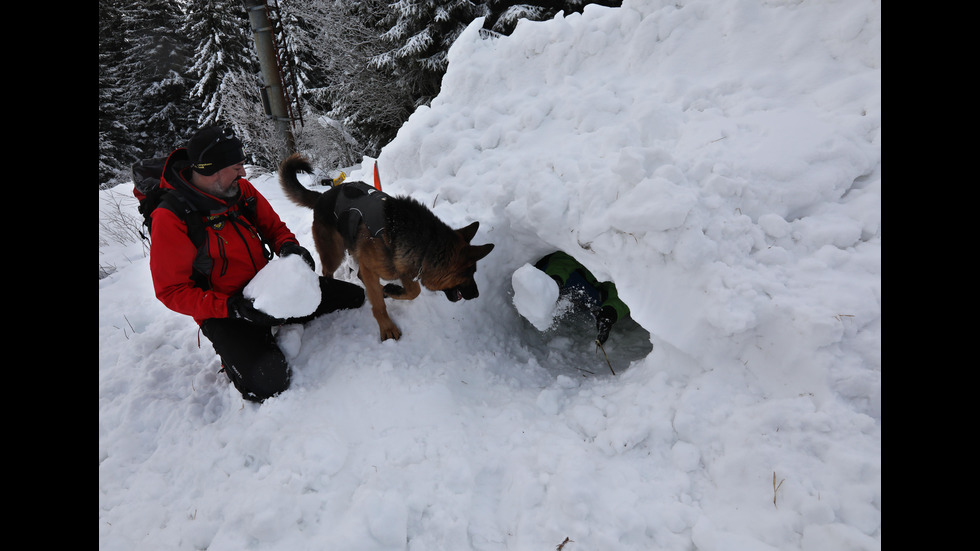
[117, 150]
[362, 69]
[240, 94]
[362, 104]
[164, 115]
[420, 33]
[308, 32]
[504, 14]
[222, 41]
[242, 108]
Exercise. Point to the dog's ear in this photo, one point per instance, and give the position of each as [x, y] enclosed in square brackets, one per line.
[469, 231]
[477, 252]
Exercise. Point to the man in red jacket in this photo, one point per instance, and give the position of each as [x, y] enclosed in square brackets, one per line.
[208, 240]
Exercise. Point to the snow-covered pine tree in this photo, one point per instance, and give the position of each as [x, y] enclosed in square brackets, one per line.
[356, 108]
[117, 146]
[419, 34]
[163, 113]
[503, 15]
[229, 80]
[218, 29]
[241, 106]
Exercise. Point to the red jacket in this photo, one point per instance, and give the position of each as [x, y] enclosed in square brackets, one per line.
[233, 247]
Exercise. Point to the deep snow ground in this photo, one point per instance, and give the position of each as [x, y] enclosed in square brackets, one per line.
[720, 161]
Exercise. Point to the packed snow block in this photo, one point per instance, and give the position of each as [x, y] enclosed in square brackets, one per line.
[535, 296]
[285, 288]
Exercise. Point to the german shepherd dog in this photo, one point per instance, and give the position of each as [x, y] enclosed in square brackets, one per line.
[390, 238]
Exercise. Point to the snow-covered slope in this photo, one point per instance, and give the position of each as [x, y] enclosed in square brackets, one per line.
[719, 160]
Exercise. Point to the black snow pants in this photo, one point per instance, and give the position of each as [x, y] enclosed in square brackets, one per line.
[249, 353]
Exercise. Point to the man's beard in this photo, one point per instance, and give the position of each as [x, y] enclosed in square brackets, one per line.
[229, 193]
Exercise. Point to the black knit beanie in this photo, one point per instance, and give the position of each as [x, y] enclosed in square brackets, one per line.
[213, 148]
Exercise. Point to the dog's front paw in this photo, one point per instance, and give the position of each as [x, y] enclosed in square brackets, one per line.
[390, 332]
[393, 291]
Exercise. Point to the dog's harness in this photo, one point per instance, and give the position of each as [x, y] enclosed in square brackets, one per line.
[359, 203]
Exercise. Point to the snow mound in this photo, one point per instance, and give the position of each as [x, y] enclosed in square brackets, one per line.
[719, 160]
[285, 288]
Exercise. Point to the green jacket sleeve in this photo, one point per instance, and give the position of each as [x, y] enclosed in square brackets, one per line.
[561, 265]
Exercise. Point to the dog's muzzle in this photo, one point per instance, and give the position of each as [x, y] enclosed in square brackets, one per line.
[467, 292]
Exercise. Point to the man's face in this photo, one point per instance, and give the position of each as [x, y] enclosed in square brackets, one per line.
[223, 183]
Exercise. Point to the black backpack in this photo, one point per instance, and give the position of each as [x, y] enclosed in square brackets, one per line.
[147, 176]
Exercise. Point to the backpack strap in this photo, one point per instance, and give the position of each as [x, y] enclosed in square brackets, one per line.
[203, 263]
[148, 202]
[183, 209]
[248, 207]
[197, 229]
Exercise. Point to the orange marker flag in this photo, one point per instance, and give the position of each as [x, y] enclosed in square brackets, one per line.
[377, 179]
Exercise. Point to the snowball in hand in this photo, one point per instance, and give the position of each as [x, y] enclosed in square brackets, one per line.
[535, 296]
[285, 288]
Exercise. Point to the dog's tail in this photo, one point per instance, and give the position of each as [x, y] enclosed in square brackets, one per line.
[290, 184]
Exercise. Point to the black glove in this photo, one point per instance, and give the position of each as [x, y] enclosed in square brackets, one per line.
[604, 320]
[241, 308]
[294, 248]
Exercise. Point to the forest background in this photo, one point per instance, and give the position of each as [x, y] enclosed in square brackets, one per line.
[169, 67]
